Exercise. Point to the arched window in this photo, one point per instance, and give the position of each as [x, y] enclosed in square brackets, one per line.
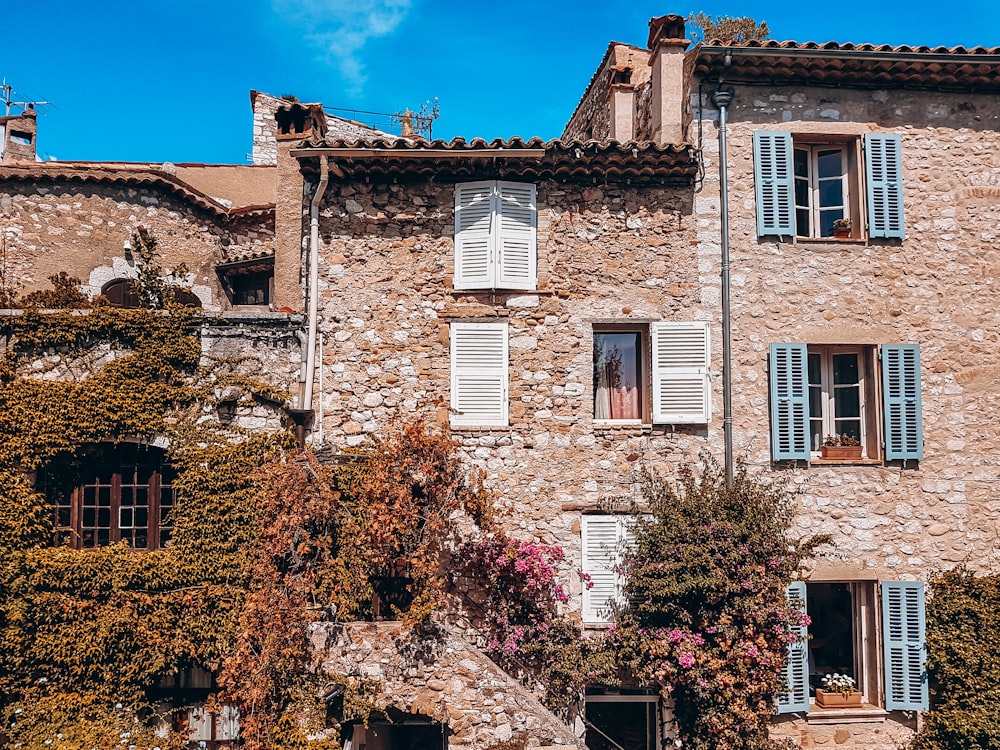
[111, 494]
[120, 293]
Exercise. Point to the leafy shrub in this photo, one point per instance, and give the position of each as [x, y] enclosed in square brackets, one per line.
[963, 641]
[707, 619]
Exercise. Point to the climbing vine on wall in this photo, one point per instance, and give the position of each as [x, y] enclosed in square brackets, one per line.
[87, 637]
[963, 644]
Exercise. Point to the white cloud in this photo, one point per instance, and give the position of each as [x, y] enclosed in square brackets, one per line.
[339, 29]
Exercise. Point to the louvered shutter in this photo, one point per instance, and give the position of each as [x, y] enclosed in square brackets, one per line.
[789, 402]
[516, 236]
[600, 536]
[795, 697]
[904, 431]
[479, 374]
[475, 217]
[884, 177]
[681, 358]
[905, 646]
[774, 181]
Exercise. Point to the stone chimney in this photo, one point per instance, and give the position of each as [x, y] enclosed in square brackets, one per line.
[19, 133]
[295, 122]
[667, 45]
[621, 102]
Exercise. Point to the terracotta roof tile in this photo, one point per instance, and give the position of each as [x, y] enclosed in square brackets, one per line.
[459, 159]
[138, 175]
[974, 69]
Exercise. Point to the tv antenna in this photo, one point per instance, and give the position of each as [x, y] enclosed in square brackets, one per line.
[8, 92]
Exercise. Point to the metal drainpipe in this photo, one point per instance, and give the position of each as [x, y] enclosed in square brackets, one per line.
[722, 99]
[306, 395]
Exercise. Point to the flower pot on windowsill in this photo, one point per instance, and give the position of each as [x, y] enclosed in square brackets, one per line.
[842, 234]
[828, 699]
[840, 452]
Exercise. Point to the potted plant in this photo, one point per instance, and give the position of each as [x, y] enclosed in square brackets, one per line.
[842, 228]
[838, 691]
[841, 447]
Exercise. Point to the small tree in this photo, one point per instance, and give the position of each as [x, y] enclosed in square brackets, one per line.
[727, 29]
[707, 619]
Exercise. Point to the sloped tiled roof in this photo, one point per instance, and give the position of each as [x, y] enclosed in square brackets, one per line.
[535, 159]
[974, 69]
[133, 175]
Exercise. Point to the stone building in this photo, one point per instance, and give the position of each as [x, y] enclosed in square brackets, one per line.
[559, 307]
[888, 333]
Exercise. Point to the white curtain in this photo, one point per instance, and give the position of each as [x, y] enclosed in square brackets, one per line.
[617, 391]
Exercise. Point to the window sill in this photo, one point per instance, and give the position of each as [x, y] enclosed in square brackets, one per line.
[831, 240]
[845, 461]
[622, 425]
[480, 428]
[865, 713]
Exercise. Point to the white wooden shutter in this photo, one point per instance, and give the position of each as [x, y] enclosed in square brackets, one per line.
[516, 236]
[479, 374]
[600, 537]
[475, 218]
[681, 391]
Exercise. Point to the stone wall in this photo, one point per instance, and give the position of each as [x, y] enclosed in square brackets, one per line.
[592, 118]
[610, 253]
[935, 288]
[54, 226]
[443, 677]
[265, 129]
[263, 346]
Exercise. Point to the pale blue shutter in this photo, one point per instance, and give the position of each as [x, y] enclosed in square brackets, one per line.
[789, 402]
[884, 177]
[904, 431]
[905, 646]
[774, 181]
[795, 697]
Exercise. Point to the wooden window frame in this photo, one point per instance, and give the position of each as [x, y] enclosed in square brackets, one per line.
[645, 371]
[865, 618]
[113, 463]
[869, 394]
[849, 175]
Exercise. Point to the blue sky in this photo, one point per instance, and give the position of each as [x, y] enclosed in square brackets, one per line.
[159, 80]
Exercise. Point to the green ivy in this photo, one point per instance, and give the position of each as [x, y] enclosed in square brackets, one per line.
[963, 642]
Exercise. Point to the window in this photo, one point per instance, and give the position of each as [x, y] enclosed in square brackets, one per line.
[212, 730]
[622, 720]
[652, 373]
[805, 183]
[251, 288]
[495, 236]
[121, 293]
[846, 636]
[818, 391]
[603, 540]
[821, 189]
[479, 378]
[118, 493]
